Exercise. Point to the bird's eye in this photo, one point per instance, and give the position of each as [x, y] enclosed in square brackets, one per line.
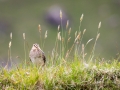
[35, 45]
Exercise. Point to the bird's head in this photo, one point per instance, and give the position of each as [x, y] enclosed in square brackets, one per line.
[36, 46]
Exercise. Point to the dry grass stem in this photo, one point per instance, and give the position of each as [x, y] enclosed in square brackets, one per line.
[75, 34]
[78, 37]
[59, 36]
[98, 35]
[82, 47]
[83, 51]
[67, 54]
[69, 39]
[63, 40]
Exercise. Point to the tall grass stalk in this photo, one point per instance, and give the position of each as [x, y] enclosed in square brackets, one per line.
[9, 55]
[77, 46]
[40, 31]
[10, 44]
[45, 36]
[24, 47]
[9, 52]
[68, 38]
[55, 49]
[10, 47]
[60, 45]
[93, 50]
[62, 38]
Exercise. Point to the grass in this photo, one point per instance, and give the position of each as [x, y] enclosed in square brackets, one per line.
[63, 72]
[70, 76]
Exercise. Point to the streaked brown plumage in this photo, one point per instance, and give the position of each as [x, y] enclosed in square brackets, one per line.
[37, 55]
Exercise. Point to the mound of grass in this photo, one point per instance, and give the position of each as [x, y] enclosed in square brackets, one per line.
[67, 76]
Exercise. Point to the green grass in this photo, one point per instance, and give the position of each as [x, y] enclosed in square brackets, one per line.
[74, 75]
[66, 69]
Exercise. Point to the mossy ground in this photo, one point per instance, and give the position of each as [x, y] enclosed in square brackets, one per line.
[74, 75]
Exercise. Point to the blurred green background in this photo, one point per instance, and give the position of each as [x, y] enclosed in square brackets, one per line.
[23, 16]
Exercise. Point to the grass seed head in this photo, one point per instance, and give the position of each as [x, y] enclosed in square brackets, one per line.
[75, 34]
[69, 39]
[10, 44]
[59, 36]
[11, 35]
[98, 36]
[60, 14]
[89, 41]
[39, 28]
[69, 31]
[99, 25]
[46, 34]
[67, 24]
[78, 37]
[24, 36]
[84, 31]
[58, 27]
[81, 18]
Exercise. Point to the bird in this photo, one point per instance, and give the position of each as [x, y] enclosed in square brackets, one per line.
[37, 56]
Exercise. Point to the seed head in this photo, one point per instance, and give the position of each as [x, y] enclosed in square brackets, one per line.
[11, 35]
[98, 36]
[9, 44]
[81, 18]
[84, 31]
[46, 34]
[69, 31]
[24, 36]
[58, 27]
[89, 41]
[67, 24]
[59, 36]
[69, 39]
[60, 14]
[39, 28]
[99, 25]
[78, 37]
[75, 34]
